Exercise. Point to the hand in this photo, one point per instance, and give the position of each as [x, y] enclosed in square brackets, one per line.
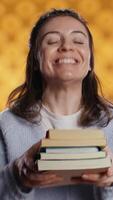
[102, 179]
[26, 171]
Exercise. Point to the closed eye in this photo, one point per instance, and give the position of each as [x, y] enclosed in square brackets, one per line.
[78, 42]
[52, 42]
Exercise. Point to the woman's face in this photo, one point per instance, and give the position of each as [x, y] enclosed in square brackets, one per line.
[64, 53]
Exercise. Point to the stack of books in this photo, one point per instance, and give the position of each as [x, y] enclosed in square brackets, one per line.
[71, 153]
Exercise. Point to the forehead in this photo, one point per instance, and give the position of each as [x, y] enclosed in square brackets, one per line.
[64, 24]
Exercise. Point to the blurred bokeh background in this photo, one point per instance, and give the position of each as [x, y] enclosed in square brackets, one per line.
[16, 21]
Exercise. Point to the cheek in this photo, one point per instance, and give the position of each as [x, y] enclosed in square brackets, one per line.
[86, 55]
[45, 61]
[85, 51]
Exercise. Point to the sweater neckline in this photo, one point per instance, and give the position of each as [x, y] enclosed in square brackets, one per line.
[58, 116]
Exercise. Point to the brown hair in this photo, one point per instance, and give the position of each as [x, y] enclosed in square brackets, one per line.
[26, 100]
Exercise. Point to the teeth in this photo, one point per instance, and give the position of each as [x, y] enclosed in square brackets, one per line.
[67, 61]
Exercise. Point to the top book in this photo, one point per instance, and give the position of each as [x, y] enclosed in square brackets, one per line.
[77, 137]
[68, 134]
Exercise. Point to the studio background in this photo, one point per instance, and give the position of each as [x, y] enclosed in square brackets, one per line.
[16, 21]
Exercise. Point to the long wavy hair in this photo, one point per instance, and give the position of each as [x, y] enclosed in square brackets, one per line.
[26, 100]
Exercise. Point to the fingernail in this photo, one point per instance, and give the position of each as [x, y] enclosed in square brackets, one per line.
[85, 176]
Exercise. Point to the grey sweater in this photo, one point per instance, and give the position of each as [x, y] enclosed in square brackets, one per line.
[17, 135]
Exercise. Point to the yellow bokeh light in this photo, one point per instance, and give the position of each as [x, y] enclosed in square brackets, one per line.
[16, 21]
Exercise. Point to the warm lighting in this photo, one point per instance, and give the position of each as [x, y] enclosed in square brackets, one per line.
[16, 21]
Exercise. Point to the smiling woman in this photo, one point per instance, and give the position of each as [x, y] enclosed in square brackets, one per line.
[43, 58]
[64, 54]
[60, 91]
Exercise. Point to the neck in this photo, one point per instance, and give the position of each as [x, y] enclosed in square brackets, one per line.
[62, 100]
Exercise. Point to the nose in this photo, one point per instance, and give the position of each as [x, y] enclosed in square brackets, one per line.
[66, 46]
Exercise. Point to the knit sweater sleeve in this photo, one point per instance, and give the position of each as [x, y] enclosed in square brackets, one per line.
[106, 193]
[8, 186]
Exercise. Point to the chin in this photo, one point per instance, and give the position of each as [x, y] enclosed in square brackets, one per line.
[69, 79]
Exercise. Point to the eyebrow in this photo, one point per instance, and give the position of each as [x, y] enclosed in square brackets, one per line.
[50, 33]
[57, 32]
[81, 32]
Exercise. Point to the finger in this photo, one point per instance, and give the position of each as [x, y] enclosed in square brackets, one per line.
[41, 177]
[108, 151]
[53, 181]
[91, 177]
[110, 172]
[105, 182]
[33, 180]
[44, 176]
[99, 184]
[101, 181]
[80, 180]
[30, 165]
[35, 148]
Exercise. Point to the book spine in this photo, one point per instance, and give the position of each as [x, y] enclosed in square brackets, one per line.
[77, 134]
[70, 156]
[72, 143]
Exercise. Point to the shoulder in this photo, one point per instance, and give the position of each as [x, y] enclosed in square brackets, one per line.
[8, 119]
[6, 114]
[11, 124]
[18, 134]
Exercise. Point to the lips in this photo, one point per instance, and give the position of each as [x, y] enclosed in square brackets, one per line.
[67, 60]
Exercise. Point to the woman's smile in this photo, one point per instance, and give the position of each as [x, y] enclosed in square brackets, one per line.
[66, 60]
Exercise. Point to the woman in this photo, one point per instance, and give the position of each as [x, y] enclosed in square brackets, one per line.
[60, 91]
